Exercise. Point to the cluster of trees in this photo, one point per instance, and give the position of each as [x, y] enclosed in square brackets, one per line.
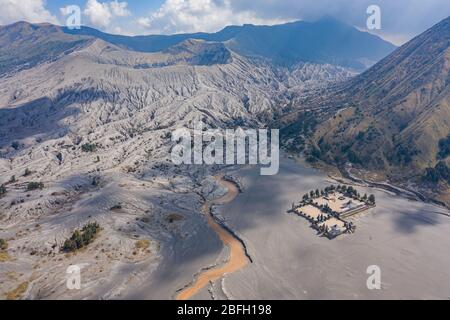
[298, 131]
[444, 148]
[81, 238]
[353, 193]
[323, 229]
[347, 191]
[15, 145]
[35, 186]
[326, 208]
[323, 218]
[353, 157]
[404, 154]
[439, 173]
[312, 195]
[88, 147]
[350, 227]
[31, 186]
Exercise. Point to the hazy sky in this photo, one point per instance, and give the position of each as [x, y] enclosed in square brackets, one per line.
[400, 19]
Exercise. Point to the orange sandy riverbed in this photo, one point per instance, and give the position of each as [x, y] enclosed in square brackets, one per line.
[237, 259]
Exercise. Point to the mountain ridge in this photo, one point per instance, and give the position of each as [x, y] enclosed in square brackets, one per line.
[391, 119]
[327, 41]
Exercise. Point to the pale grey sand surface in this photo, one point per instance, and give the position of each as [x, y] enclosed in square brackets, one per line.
[408, 240]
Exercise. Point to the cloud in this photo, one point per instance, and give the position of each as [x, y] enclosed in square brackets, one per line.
[101, 14]
[98, 13]
[33, 11]
[119, 9]
[144, 22]
[198, 15]
[401, 19]
[65, 11]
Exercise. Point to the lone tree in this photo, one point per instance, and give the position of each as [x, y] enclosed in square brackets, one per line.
[27, 172]
[3, 244]
[372, 199]
[2, 190]
[15, 145]
[59, 156]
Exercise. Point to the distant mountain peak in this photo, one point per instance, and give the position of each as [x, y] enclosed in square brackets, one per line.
[329, 18]
[324, 41]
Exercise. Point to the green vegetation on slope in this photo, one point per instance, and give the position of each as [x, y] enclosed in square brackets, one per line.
[81, 239]
[88, 147]
[444, 148]
[394, 119]
[3, 244]
[441, 172]
[35, 186]
[2, 190]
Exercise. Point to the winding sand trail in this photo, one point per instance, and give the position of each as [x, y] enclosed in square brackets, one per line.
[237, 259]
